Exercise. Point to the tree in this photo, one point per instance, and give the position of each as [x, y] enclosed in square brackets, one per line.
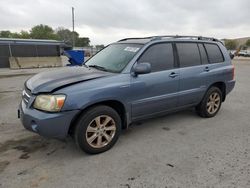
[15, 35]
[99, 47]
[42, 32]
[67, 36]
[8, 34]
[248, 43]
[231, 44]
[46, 32]
[64, 35]
[5, 34]
[24, 35]
[82, 41]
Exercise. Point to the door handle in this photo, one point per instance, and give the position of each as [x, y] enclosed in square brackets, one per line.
[173, 75]
[206, 69]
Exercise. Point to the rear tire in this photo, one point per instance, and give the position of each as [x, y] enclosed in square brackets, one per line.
[211, 103]
[98, 129]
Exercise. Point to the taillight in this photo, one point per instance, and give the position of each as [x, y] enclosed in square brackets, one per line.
[233, 72]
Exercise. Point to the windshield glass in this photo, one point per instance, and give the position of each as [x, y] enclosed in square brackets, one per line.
[114, 57]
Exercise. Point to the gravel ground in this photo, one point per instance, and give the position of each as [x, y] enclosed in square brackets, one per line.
[178, 150]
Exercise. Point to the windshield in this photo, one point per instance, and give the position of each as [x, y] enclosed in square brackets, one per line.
[114, 57]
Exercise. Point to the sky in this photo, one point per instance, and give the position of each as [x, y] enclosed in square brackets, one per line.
[106, 21]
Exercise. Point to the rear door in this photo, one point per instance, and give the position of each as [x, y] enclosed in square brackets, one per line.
[157, 91]
[192, 73]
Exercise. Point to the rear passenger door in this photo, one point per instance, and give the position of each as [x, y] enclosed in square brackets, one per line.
[157, 91]
[192, 73]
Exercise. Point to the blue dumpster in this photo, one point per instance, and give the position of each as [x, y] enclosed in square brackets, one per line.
[76, 57]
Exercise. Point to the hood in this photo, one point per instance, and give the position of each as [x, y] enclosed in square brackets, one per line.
[54, 79]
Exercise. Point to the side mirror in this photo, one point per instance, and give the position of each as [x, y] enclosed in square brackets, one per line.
[142, 68]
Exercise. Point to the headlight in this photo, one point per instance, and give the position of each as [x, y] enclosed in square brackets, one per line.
[50, 103]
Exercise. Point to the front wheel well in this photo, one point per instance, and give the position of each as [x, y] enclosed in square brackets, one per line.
[116, 105]
[222, 87]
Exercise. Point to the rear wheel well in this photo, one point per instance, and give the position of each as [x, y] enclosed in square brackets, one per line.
[222, 87]
[116, 105]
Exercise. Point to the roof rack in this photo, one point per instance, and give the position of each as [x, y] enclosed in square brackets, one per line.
[152, 38]
[136, 38]
[185, 36]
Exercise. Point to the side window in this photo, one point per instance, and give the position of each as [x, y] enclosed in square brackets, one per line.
[160, 56]
[188, 54]
[214, 53]
[203, 53]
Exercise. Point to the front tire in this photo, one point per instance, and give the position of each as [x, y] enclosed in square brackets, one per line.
[211, 103]
[98, 129]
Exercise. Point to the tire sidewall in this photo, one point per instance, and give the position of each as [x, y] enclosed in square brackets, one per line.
[86, 118]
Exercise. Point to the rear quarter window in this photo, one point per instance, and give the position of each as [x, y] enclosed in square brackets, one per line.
[188, 54]
[214, 53]
[203, 53]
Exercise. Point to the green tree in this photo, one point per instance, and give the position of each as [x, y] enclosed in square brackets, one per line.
[248, 43]
[64, 35]
[231, 44]
[5, 34]
[24, 34]
[46, 32]
[67, 36]
[82, 41]
[42, 32]
[100, 46]
[8, 34]
[15, 35]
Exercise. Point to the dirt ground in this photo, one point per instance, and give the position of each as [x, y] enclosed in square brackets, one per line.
[178, 150]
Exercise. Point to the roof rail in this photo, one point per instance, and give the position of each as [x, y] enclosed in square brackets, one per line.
[133, 38]
[185, 36]
[152, 38]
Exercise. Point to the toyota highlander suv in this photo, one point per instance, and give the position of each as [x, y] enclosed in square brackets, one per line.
[128, 81]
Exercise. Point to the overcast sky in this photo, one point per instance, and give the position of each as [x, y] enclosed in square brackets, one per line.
[105, 21]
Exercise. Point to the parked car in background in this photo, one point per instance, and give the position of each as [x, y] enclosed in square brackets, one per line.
[128, 81]
[247, 53]
[244, 53]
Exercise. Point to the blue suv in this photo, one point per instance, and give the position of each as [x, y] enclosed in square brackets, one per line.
[130, 80]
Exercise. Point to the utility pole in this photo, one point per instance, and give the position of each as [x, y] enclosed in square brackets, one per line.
[73, 26]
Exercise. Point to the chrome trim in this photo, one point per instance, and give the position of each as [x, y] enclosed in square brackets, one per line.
[25, 93]
[26, 100]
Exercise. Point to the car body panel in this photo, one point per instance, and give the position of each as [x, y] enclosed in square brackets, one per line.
[192, 85]
[142, 96]
[51, 80]
[152, 94]
[51, 125]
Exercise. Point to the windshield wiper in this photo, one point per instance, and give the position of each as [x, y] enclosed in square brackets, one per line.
[99, 67]
[85, 65]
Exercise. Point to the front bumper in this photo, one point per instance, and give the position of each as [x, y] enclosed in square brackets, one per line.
[51, 125]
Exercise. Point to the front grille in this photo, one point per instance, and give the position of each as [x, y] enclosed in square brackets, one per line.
[26, 96]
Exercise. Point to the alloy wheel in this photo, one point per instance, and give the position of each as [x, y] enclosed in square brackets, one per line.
[100, 131]
[213, 103]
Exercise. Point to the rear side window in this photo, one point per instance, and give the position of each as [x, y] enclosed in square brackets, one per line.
[203, 53]
[160, 56]
[214, 53]
[188, 54]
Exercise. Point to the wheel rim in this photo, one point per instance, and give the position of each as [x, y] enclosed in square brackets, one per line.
[100, 131]
[213, 103]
